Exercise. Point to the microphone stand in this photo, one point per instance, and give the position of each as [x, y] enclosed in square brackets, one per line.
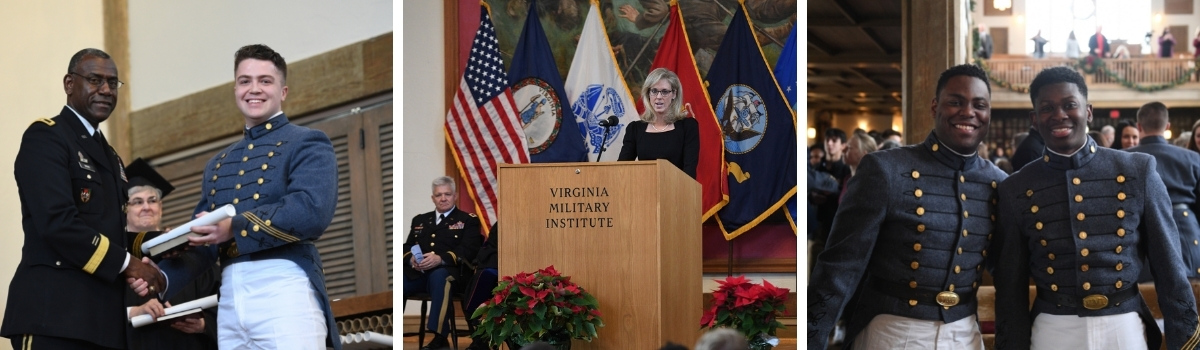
[603, 140]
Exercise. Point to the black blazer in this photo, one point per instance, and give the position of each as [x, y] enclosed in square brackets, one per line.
[72, 190]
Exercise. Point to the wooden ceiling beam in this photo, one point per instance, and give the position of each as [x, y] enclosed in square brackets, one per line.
[860, 74]
[842, 22]
[820, 45]
[854, 58]
[870, 91]
[875, 40]
[844, 8]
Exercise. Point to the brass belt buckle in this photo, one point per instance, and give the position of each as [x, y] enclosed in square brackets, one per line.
[1095, 302]
[947, 299]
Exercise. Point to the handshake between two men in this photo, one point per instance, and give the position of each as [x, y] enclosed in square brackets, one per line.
[144, 276]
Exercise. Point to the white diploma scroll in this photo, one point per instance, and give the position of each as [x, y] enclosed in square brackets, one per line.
[188, 307]
[160, 243]
[366, 340]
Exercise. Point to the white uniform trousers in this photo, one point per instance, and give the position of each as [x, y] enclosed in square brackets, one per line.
[268, 304]
[902, 333]
[1113, 332]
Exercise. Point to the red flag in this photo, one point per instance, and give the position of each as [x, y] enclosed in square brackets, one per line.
[675, 54]
[482, 127]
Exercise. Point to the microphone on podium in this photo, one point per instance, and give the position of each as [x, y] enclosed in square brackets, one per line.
[611, 121]
[606, 123]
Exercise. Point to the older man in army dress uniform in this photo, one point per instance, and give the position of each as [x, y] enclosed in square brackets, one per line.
[1179, 169]
[914, 229]
[1080, 221]
[67, 292]
[447, 238]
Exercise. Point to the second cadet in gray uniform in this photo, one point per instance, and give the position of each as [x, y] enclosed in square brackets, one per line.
[1179, 169]
[1079, 222]
[914, 227]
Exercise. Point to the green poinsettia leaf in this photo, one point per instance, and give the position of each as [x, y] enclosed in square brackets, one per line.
[540, 311]
[505, 331]
[591, 329]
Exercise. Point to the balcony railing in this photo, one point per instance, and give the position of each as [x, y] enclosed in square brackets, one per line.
[1141, 71]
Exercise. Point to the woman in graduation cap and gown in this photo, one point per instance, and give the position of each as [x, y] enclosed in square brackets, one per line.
[143, 215]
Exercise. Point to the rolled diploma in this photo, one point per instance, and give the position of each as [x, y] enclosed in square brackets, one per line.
[211, 218]
[202, 303]
[377, 338]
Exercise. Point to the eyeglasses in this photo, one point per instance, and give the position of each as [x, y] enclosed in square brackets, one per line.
[137, 202]
[657, 92]
[95, 81]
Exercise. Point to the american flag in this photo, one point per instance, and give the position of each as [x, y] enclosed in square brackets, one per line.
[482, 127]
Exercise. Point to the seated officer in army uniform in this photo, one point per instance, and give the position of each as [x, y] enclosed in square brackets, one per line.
[1080, 221]
[447, 238]
[920, 217]
[1179, 169]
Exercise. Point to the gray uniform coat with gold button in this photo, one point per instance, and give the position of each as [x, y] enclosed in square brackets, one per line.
[915, 222]
[1081, 226]
[1179, 169]
[282, 179]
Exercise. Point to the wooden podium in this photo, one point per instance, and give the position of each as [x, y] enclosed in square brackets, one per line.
[627, 232]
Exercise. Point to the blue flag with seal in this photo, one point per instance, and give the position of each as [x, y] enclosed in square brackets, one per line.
[551, 131]
[759, 129]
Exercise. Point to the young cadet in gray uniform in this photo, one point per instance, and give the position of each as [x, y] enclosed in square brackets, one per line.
[282, 179]
[1179, 169]
[914, 228]
[1080, 221]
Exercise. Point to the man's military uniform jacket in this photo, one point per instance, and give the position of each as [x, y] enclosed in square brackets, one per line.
[1179, 169]
[282, 179]
[921, 218]
[72, 190]
[456, 237]
[1081, 226]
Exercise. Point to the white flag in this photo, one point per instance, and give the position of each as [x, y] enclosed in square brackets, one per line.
[597, 90]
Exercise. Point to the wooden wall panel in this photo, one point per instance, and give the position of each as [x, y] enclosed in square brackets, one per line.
[999, 40]
[116, 44]
[1178, 7]
[1183, 41]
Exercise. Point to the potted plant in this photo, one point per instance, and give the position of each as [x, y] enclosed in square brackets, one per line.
[751, 309]
[541, 306]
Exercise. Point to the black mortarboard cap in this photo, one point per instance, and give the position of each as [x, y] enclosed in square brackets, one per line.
[140, 173]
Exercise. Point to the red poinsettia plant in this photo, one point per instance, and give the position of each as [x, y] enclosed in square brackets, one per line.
[752, 309]
[539, 306]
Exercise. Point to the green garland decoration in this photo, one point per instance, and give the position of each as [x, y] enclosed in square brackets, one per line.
[1093, 65]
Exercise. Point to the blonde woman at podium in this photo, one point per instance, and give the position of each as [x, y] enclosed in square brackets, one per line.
[664, 131]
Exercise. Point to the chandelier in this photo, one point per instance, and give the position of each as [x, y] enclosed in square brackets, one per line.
[1002, 5]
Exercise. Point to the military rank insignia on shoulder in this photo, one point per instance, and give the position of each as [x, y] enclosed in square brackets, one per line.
[47, 121]
[471, 214]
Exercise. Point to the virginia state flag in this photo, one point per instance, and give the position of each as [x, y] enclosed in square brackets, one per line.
[785, 69]
[596, 89]
[675, 54]
[550, 128]
[759, 129]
